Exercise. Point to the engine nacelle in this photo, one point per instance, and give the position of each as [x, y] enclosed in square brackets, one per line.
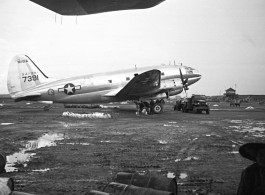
[175, 92]
[167, 84]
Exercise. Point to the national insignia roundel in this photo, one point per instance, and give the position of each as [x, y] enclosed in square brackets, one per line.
[69, 89]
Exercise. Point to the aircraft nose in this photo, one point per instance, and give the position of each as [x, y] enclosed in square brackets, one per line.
[196, 76]
[196, 73]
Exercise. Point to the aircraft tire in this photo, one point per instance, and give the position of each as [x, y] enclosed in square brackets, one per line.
[158, 108]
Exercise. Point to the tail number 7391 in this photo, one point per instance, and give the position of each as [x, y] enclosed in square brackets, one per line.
[31, 78]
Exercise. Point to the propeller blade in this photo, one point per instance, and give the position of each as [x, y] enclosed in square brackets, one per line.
[186, 81]
[181, 76]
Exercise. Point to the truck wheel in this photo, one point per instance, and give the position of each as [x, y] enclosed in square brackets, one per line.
[158, 108]
[207, 111]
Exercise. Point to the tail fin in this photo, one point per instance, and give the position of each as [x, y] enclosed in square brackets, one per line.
[23, 74]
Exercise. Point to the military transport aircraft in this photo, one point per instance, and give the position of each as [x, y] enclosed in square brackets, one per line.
[85, 7]
[26, 81]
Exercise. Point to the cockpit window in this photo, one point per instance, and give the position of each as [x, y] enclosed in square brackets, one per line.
[189, 70]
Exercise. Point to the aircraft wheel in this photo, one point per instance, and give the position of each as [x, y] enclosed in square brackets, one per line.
[207, 111]
[158, 108]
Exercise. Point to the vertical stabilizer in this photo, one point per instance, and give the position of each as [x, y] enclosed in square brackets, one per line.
[23, 74]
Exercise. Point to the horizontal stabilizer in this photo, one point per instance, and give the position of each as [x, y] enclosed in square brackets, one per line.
[29, 96]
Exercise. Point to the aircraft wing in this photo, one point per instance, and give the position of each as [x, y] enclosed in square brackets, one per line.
[142, 84]
[85, 7]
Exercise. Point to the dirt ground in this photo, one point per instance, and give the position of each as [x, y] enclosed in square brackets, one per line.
[200, 150]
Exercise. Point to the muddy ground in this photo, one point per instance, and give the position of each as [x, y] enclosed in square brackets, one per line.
[200, 150]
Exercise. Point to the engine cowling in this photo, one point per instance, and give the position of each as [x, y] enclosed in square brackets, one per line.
[175, 92]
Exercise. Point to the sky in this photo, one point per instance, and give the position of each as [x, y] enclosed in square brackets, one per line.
[223, 39]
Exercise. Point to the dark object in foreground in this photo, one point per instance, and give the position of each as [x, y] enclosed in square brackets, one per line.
[157, 183]
[75, 7]
[2, 162]
[124, 189]
[253, 177]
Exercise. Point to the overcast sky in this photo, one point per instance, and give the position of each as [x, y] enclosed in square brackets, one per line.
[223, 39]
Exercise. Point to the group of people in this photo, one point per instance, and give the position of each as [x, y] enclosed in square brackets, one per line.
[144, 108]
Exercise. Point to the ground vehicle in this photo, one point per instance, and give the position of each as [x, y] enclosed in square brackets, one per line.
[195, 103]
[235, 102]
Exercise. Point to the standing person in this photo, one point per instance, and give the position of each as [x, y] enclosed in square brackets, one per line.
[152, 103]
[253, 177]
[138, 109]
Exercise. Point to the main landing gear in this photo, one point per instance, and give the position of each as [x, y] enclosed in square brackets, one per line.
[152, 107]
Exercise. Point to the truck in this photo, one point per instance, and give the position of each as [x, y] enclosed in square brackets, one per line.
[196, 104]
[235, 102]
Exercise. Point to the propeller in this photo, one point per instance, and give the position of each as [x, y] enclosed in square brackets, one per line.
[184, 82]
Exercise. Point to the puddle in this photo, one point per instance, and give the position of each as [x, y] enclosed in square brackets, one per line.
[191, 158]
[41, 170]
[170, 175]
[249, 108]
[234, 152]
[108, 141]
[22, 157]
[91, 115]
[255, 131]
[162, 141]
[207, 122]
[253, 128]
[236, 121]
[183, 175]
[166, 125]
[7, 123]
[85, 144]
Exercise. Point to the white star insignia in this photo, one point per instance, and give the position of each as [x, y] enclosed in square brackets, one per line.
[69, 89]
